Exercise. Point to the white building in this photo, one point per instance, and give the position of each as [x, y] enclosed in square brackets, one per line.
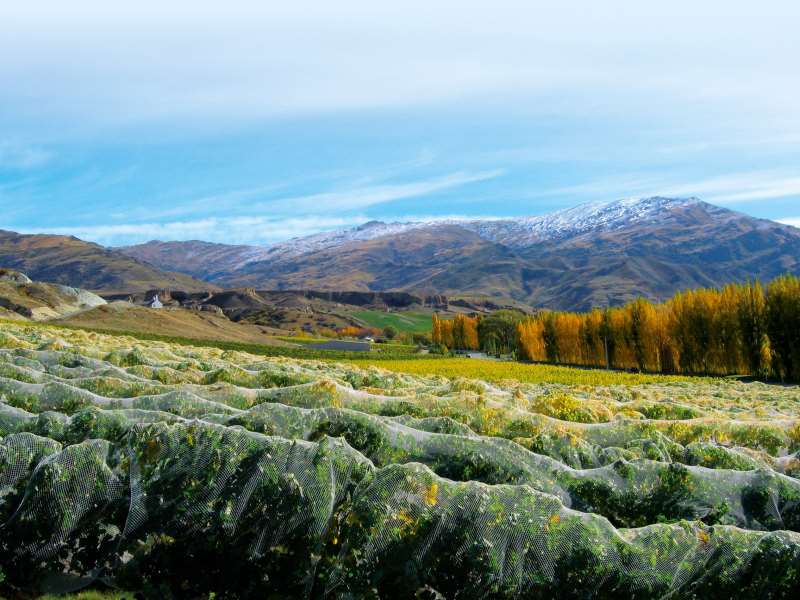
[156, 303]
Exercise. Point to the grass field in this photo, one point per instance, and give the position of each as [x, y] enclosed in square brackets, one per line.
[496, 371]
[404, 322]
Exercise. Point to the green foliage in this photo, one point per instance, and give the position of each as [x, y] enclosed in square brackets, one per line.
[497, 332]
[752, 316]
[421, 339]
[783, 325]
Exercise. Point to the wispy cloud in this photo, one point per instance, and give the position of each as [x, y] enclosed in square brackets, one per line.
[228, 201]
[360, 198]
[19, 156]
[250, 230]
[233, 230]
[740, 187]
[169, 118]
[362, 191]
[731, 188]
[244, 216]
[604, 188]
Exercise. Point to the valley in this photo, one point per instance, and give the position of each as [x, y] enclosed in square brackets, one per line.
[237, 415]
[399, 301]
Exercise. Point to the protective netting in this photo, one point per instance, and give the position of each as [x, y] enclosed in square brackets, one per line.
[180, 471]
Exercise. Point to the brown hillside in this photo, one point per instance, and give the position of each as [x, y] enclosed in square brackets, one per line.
[200, 325]
[70, 261]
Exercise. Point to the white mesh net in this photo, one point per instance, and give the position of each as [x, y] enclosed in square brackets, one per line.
[180, 471]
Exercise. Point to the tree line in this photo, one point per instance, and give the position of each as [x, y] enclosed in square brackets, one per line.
[460, 333]
[745, 329]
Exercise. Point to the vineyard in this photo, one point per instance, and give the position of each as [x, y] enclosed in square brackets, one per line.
[499, 371]
[184, 471]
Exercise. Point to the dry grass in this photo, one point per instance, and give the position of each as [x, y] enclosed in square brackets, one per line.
[171, 322]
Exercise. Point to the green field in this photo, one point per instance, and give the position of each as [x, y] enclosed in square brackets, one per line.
[404, 322]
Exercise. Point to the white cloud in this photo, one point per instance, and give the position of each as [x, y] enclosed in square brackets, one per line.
[740, 187]
[234, 230]
[248, 201]
[731, 188]
[359, 198]
[358, 195]
[293, 216]
[189, 61]
[674, 75]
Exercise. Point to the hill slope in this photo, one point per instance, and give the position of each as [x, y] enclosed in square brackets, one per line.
[73, 262]
[193, 324]
[202, 260]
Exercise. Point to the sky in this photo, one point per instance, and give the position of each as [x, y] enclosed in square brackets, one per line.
[239, 122]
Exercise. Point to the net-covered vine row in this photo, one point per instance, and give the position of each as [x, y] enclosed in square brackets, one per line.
[179, 471]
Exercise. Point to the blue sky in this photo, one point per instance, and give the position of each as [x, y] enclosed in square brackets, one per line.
[249, 124]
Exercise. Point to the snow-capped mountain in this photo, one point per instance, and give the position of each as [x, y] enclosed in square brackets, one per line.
[517, 232]
[589, 255]
[330, 239]
[203, 259]
[589, 217]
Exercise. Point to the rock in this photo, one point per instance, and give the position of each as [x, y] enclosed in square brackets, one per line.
[14, 276]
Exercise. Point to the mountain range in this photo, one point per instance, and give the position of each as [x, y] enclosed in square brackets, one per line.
[594, 254]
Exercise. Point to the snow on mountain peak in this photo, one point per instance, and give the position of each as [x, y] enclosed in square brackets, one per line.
[591, 216]
[516, 232]
[329, 239]
[598, 216]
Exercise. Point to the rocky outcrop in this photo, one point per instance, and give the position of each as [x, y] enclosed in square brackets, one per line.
[14, 276]
[42, 301]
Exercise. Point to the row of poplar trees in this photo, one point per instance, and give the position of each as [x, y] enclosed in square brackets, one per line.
[744, 329]
[459, 333]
